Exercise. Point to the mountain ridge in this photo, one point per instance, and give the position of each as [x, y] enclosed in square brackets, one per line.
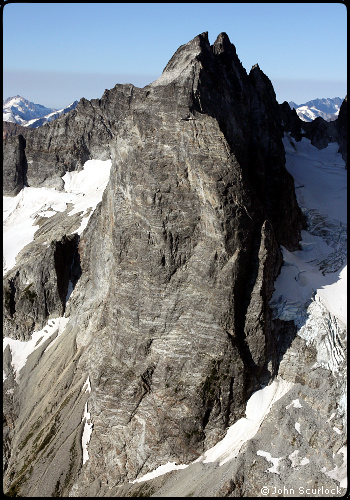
[20, 111]
[153, 302]
[326, 108]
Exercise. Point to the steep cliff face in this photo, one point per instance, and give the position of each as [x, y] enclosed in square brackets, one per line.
[169, 319]
[9, 129]
[342, 127]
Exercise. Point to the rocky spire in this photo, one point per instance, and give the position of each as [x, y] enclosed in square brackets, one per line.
[170, 316]
[183, 60]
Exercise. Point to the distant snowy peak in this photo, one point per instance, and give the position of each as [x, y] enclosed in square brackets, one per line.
[38, 122]
[19, 110]
[23, 112]
[328, 109]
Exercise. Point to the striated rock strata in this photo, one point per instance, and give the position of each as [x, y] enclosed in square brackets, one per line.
[169, 318]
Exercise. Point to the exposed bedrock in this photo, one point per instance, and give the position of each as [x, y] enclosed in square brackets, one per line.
[36, 289]
[170, 316]
[179, 262]
[14, 165]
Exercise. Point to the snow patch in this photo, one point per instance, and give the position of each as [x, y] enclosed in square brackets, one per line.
[275, 461]
[296, 461]
[258, 406]
[87, 385]
[295, 404]
[339, 474]
[85, 439]
[162, 469]
[20, 350]
[297, 427]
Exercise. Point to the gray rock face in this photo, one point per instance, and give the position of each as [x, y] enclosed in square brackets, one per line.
[9, 129]
[170, 317]
[36, 290]
[14, 165]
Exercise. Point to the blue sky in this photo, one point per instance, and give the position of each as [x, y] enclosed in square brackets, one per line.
[55, 53]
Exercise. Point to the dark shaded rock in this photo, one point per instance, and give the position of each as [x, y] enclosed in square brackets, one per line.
[37, 289]
[319, 131]
[342, 129]
[14, 165]
[291, 121]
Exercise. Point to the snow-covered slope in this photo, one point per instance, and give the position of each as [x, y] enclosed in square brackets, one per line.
[318, 270]
[38, 122]
[82, 192]
[328, 109]
[19, 110]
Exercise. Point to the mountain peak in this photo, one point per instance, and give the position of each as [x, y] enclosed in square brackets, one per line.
[183, 60]
[19, 110]
[326, 108]
[198, 50]
[223, 44]
[164, 215]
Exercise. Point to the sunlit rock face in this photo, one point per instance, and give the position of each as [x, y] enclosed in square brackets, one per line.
[169, 316]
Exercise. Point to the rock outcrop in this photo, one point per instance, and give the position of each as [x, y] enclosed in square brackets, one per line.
[342, 128]
[37, 289]
[9, 129]
[169, 319]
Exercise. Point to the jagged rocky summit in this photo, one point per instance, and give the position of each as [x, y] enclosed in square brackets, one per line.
[167, 330]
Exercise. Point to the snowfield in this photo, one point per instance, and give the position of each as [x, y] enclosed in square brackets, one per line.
[83, 189]
[311, 289]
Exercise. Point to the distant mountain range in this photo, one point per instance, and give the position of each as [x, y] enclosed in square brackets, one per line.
[327, 109]
[20, 111]
[23, 112]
